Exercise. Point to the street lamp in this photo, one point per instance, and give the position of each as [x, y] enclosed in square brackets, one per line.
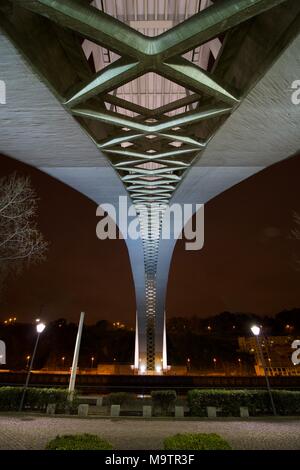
[63, 361]
[39, 329]
[256, 332]
[92, 361]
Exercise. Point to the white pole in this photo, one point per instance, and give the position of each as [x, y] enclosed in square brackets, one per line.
[164, 357]
[75, 357]
[136, 350]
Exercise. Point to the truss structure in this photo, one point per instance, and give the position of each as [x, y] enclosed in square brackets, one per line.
[151, 148]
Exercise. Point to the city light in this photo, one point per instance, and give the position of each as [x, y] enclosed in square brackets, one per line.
[142, 368]
[255, 330]
[10, 321]
[289, 327]
[119, 325]
[158, 369]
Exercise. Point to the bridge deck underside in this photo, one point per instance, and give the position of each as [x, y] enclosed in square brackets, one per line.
[159, 154]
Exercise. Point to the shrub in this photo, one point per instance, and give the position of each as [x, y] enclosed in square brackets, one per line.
[10, 398]
[257, 401]
[287, 402]
[79, 442]
[164, 399]
[38, 398]
[120, 398]
[229, 400]
[35, 398]
[196, 441]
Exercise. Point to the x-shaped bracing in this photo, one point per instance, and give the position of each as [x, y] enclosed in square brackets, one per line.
[139, 55]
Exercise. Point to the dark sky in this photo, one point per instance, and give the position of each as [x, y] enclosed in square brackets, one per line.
[246, 264]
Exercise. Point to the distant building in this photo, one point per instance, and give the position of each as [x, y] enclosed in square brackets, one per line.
[277, 352]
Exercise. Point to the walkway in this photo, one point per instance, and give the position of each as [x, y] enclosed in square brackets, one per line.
[34, 431]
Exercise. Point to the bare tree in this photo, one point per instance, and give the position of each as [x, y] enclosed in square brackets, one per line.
[295, 232]
[21, 242]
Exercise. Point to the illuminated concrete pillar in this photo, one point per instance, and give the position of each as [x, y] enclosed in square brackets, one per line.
[164, 357]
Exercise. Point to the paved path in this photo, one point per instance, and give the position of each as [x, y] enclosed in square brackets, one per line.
[33, 432]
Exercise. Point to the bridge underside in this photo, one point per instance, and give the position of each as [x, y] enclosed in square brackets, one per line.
[80, 106]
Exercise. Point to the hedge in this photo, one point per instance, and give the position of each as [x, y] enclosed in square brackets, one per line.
[164, 399]
[257, 401]
[35, 398]
[119, 398]
[79, 442]
[196, 441]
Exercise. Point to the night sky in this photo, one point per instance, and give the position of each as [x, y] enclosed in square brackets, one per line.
[247, 263]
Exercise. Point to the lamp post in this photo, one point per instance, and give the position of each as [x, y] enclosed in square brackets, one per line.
[39, 328]
[256, 332]
[92, 362]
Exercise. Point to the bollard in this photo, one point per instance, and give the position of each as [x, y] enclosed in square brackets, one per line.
[115, 411]
[211, 411]
[147, 411]
[51, 408]
[244, 412]
[83, 410]
[179, 412]
[99, 401]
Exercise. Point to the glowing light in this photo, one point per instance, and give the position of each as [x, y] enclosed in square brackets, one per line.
[142, 368]
[40, 327]
[255, 330]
